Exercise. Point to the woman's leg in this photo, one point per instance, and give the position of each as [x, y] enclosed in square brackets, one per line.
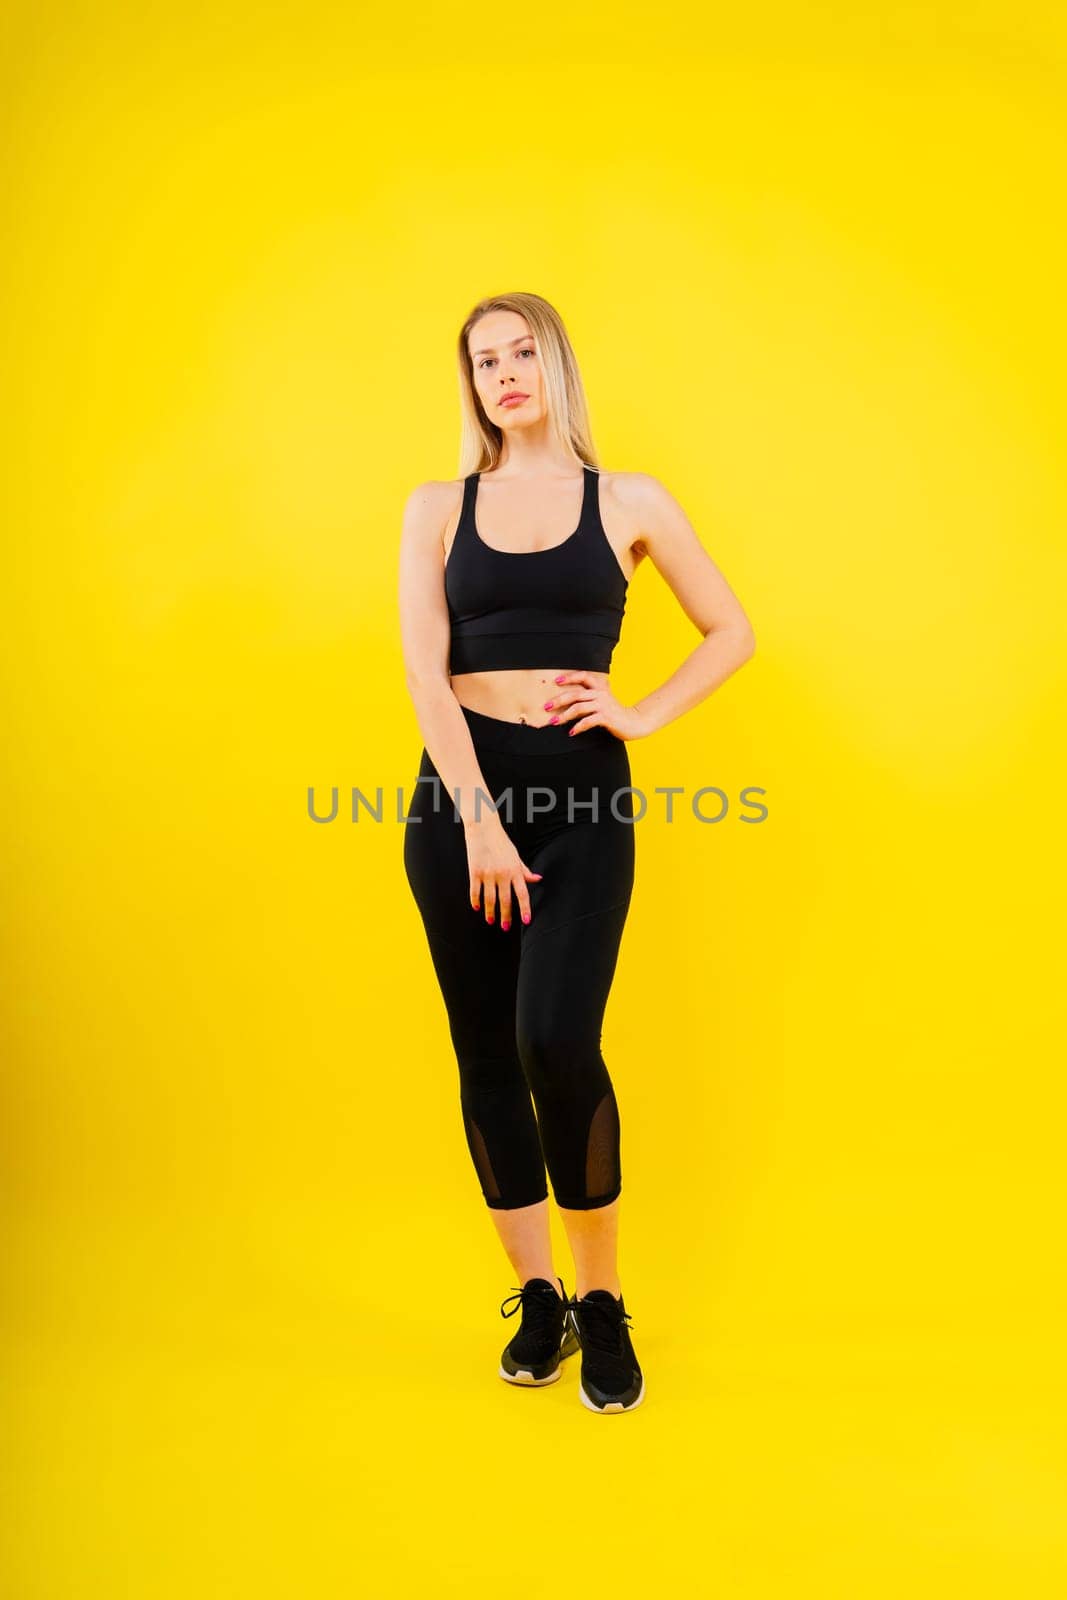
[476, 965]
[594, 1242]
[568, 961]
[564, 977]
[524, 1233]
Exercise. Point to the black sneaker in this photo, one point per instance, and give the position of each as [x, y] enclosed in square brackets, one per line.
[544, 1338]
[611, 1377]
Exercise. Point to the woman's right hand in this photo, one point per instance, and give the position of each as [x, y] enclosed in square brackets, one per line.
[496, 866]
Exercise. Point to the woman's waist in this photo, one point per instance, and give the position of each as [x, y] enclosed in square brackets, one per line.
[510, 694]
[507, 734]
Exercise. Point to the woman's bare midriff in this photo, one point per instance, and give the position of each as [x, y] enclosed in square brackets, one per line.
[511, 695]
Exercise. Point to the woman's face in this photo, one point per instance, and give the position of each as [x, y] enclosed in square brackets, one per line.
[505, 363]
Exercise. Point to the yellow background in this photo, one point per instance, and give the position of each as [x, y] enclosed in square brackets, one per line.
[812, 263]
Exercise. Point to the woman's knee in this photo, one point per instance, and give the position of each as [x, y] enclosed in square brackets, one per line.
[558, 1056]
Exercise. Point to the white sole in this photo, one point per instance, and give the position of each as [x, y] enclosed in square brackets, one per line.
[527, 1379]
[612, 1405]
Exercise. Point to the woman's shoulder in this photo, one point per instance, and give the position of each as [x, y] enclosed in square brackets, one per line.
[628, 482]
[434, 489]
[432, 507]
[634, 492]
[434, 496]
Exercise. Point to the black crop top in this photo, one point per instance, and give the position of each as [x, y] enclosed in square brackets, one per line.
[560, 607]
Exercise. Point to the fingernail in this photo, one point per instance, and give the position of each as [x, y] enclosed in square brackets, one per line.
[548, 705]
[525, 919]
[551, 720]
[505, 925]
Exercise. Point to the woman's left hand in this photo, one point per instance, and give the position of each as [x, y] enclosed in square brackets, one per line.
[585, 698]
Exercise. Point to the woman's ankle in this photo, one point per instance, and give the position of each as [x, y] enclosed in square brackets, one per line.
[548, 1277]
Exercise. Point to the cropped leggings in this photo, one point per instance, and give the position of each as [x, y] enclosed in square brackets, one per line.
[525, 1006]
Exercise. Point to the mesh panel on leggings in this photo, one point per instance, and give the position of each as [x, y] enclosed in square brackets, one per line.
[601, 1174]
[481, 1160]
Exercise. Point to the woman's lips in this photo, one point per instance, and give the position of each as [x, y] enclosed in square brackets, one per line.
[514, 399]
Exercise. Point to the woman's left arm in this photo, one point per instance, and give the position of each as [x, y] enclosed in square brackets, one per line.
[703, 594]
[670, 540]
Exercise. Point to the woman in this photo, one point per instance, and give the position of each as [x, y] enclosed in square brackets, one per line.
[509, 615]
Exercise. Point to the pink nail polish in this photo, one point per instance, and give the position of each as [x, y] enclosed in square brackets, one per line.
[551, 720]
[525, 919]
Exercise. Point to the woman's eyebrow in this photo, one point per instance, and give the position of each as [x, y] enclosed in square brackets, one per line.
[505, 346]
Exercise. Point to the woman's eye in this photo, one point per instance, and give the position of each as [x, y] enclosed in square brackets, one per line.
[488, 360]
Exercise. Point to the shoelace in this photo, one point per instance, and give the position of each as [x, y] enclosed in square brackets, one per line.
[530, 1299]
[604, 1324]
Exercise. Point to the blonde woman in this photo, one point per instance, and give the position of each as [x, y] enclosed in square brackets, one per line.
[519, 848]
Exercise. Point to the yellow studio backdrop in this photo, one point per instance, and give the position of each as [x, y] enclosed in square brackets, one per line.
[812, 262]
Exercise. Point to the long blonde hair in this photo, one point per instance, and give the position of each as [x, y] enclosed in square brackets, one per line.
[568, 415]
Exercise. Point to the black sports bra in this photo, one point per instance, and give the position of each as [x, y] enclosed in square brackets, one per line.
[560, 607]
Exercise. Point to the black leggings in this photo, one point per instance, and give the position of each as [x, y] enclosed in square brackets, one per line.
[525, 1006]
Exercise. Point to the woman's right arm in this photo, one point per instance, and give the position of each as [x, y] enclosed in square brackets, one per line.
[425, 631]
[425, 635]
